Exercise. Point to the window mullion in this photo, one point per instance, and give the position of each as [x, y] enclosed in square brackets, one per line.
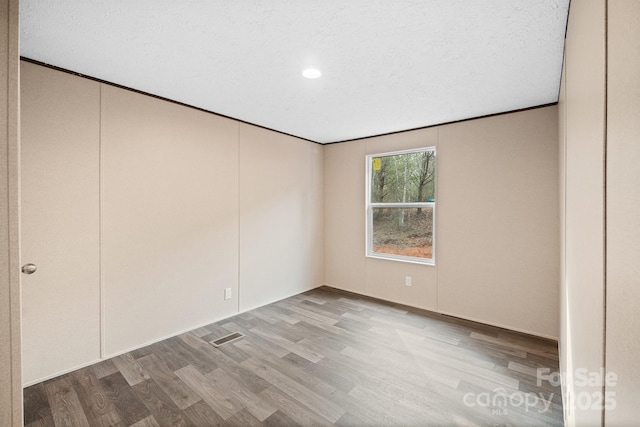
[403, 205]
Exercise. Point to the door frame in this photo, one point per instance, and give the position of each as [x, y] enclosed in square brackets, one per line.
[10, 306]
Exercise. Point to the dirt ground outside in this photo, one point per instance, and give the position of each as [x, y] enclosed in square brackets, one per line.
[406, 232]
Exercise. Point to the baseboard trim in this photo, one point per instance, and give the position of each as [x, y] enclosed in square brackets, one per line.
[63, 372]
[453, 315]
[153, 341]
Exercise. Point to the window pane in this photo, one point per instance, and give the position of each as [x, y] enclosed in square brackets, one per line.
[403, 178]
[403, 231]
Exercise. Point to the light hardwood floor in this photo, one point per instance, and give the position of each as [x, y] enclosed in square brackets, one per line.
[325, 357]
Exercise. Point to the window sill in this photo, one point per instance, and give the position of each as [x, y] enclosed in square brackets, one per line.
[430, 262]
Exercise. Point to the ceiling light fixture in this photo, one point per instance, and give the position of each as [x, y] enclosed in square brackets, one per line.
[311, 73]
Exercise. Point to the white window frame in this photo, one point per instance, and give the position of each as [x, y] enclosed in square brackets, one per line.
[370, 206]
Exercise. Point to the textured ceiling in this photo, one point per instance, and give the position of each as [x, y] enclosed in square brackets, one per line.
[386, 65]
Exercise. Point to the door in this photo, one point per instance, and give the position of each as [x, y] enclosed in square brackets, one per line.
[60, 125]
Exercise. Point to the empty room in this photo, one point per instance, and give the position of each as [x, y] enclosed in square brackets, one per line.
[412, 213]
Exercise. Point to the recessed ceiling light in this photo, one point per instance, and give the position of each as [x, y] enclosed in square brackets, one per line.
[311, 73]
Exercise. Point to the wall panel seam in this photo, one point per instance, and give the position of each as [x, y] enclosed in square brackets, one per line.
[604, 201]
[101, 282]
[435, 225]
[239, 216]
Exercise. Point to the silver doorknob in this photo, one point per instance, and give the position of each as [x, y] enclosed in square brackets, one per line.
[29, 268]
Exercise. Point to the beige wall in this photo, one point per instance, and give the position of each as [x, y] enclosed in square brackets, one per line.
[623, 210]
[583, 174]
[600, 132]
[497, 247]
[169, 218]
[187, 203]
[563, 347]
[562, 157]
[344, 232]
[60, 221]
[498, 221]
[281, 234]
[10, 354]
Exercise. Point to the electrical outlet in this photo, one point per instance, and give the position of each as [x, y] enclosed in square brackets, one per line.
[407, 280]
[227, 293]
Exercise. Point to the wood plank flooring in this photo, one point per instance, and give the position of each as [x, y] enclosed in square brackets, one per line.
[325, 357]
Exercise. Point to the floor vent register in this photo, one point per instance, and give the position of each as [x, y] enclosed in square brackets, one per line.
[226, 339]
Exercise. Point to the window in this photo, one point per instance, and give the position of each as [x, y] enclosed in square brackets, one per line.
[401, 205]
